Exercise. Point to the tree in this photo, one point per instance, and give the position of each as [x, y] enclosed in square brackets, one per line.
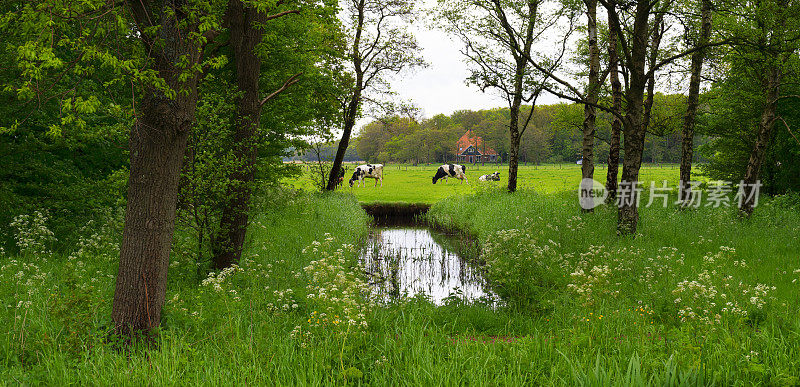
[248, 23]
[162, 49]
[379, 44]
[637, 30]
[616, 123]
[767, 42]
[498, 37]
[171, 35]
[761, 70]
[696, 69]
[590, 114]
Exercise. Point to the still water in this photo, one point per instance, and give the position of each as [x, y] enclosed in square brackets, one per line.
[412, 261]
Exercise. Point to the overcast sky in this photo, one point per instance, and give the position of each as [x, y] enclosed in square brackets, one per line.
[440, 87]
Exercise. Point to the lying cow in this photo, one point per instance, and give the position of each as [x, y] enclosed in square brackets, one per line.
[451, 170]
[368, 171]
[493, 177]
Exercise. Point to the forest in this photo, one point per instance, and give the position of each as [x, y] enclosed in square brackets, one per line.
[555, 135]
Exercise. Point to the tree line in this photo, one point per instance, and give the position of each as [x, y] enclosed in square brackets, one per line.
[554, 135]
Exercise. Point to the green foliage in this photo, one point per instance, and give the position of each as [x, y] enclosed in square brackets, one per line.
[70, 181]
[554, 134]
[766, 37]
[734, 133]
[733, 130]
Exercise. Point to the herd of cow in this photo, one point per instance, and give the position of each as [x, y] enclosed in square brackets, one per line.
[375, 171]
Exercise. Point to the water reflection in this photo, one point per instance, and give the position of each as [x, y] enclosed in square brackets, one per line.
[410, 261]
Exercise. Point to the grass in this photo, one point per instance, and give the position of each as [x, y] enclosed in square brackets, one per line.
[242, 326]
[654, 298]
[412, 184]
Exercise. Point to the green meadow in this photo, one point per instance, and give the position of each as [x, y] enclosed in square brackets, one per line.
[698, 297]
[412, 184]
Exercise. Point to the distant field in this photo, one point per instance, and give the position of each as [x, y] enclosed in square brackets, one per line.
[405, 183]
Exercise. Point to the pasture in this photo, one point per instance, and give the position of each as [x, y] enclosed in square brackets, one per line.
[412, 184]
[699, 297]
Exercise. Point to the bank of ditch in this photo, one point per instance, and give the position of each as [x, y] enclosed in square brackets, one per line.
[699, 290]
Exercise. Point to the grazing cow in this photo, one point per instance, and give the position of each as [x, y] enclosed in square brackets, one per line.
[451, 170]
[493, 177]
[341, 175]
[368, 171]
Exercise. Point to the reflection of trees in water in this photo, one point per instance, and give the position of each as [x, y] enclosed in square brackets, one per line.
[458, 244]
[411, 261]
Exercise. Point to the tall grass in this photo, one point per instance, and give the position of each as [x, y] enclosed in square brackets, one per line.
[260, 323]
[708, 293]
[231, 328]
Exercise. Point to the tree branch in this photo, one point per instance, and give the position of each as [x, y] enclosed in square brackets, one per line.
[789, 130]
[279, 14]
[291, 81]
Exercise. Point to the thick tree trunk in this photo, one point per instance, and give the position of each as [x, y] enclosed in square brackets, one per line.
[687, 143]
[244, 36]
[157, 146]
[158, 141]
[589, 113]
[628, 213]
[751, 183]
[616, 123]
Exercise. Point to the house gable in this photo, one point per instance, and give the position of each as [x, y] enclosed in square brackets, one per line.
[469, 145]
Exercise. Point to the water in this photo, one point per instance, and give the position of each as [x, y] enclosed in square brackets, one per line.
[411, 261]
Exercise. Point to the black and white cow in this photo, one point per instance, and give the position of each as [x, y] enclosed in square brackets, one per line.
[493, 177]
[368, 171]
[451, 170]
[340, 176]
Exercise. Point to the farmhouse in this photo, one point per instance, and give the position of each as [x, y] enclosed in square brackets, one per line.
[472, 149]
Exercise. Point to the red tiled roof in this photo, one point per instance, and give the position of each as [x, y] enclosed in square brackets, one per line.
[468, 140]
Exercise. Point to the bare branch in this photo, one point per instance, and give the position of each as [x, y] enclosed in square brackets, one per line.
[291, 81]
[280, 14]
[788, 129]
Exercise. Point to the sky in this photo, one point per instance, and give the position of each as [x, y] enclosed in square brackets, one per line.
[440, 87]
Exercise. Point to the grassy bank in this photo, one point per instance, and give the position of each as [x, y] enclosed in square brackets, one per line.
[584, 306]
[225, 328]
[700, 291]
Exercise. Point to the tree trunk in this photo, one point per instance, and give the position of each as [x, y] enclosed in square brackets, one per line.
[351, 111]
[515, 132]
[349, 123]
[157, 146]
[628, 213]
[244, 36]
[589, 114]
[616, 123]
[513, 154]
[633, 125]
[687, 148]
[751, 183]
[513, 128]
[655, 43]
